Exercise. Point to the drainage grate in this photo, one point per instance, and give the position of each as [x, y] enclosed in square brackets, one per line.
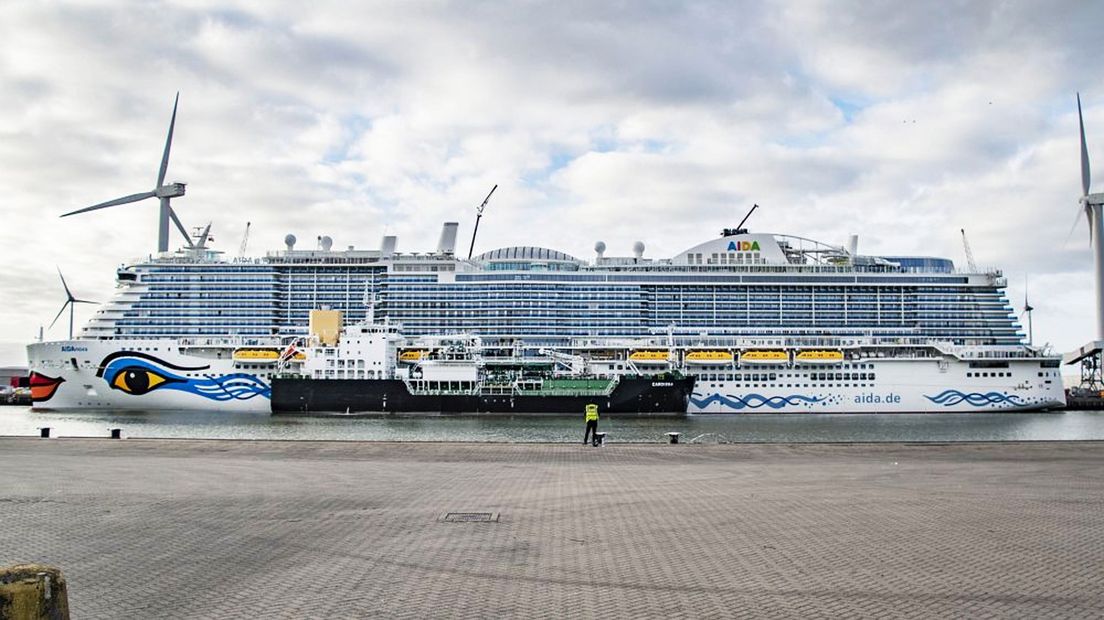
[470, 517]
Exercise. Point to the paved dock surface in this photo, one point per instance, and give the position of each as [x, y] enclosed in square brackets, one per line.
[222, 529]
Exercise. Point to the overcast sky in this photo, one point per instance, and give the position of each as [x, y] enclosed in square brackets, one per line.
[662, 122]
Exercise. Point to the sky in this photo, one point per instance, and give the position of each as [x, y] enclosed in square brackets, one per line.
[660, 122]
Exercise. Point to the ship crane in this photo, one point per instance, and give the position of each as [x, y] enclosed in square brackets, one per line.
[969, 254]
[739, 230]
[575, 364]
[479, 216]
[244, 241]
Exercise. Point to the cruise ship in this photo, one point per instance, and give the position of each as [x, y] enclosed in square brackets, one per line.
[767, 323]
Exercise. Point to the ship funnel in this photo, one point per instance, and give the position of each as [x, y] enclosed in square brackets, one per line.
[447, 244]
[388, 245]
[853, 244]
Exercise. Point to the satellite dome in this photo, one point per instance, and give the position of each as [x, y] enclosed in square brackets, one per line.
[289, 241]
[600, 247]
[638, 249]
[327, 243]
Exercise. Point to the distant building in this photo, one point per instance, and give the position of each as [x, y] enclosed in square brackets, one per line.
[10, 377]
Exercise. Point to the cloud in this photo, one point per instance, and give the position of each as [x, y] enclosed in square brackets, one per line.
[638, 121]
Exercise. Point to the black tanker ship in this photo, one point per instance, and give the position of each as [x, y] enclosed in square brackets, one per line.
[644, 395]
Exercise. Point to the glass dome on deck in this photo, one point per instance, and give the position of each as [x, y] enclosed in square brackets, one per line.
[528, 258]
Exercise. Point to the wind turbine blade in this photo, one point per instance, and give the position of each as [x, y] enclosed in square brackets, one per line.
[84, 301]
[63, 307]
[168, 145]
[1076, 219]
[1086, 177]
[180, 227]
[111, 203]
[68, 295]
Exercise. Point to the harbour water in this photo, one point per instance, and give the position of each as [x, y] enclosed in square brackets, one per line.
[798, 428]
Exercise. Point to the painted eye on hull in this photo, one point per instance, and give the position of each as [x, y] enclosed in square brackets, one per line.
[138, 380]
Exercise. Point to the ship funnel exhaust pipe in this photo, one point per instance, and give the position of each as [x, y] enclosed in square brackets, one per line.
[388, 245]
[447, 244]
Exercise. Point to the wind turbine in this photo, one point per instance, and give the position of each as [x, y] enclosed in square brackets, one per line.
[1027, 308]
[160, 191]
[1093, 204]
[70, 301]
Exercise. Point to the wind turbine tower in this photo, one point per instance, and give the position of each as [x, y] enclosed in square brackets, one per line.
[1093, 205]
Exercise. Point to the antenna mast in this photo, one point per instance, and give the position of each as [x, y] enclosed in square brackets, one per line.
[969, 254]
[478, 215]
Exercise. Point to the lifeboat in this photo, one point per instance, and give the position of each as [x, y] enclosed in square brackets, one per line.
[819, 357]
[412, 355]
[765, 357]
[256, 356]
[650, 355]
[707, 358]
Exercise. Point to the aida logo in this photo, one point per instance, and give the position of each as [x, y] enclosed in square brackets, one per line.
[743, 246]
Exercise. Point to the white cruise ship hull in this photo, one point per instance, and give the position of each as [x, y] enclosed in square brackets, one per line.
[165, 374]
[143, 375]
[905, 385]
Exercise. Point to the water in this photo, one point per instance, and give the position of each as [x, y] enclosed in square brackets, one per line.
[943, 427]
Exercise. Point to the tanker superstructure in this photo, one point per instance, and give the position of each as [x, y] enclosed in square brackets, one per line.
[746, 313]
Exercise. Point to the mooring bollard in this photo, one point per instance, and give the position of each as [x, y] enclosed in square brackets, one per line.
[44, 432]
[673, 437]
[116, 433]
[33, 591]
[601, 438]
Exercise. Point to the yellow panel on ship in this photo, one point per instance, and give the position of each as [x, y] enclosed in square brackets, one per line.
[821, 357]
[649, 355]
[256, 355]
[709, 357]
[765, 357]
[325, 326]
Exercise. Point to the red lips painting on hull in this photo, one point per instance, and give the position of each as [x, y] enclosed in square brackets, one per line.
[43, 387]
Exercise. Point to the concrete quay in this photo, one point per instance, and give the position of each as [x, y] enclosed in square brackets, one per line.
[252, 529]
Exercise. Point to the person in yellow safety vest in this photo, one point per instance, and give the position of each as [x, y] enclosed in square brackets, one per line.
[591, 424]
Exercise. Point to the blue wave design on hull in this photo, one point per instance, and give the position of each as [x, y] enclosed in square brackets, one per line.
[236, 386]
[755, 401]
[228, 387]
[949, 398]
